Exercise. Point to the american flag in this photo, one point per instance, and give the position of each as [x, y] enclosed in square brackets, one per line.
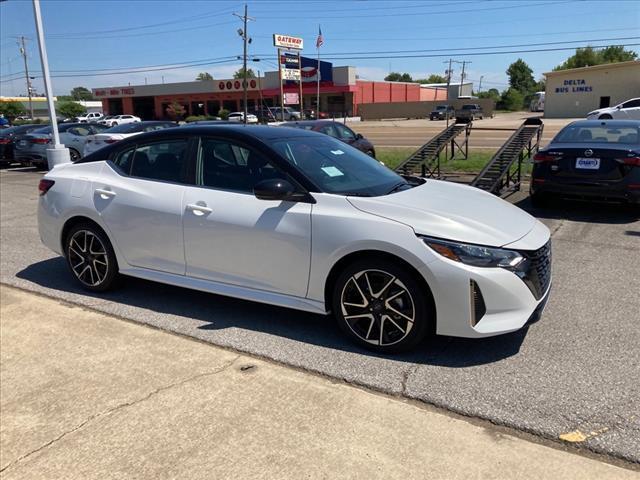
[320, 40]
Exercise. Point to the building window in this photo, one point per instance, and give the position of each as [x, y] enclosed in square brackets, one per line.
[213, 107]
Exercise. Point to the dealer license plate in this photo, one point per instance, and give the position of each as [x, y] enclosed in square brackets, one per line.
[588, 163]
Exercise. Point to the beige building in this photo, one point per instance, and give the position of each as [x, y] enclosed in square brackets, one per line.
[575, 92]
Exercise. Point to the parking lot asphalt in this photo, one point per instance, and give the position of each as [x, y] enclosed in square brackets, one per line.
[571, 375]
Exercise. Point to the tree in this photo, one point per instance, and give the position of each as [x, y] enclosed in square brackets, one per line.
[492, 93]
[70, 109]
[585, 57]
[512, 99]
[433, 78]
[12, 110]
[615, 54]
[204, 76]
[398, 77]
[240, 73]
[521, 76]
[81, 93]
[176, 111]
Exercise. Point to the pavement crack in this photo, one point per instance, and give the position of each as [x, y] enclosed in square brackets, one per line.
[558, 227]
[405, 378]
[116, 408]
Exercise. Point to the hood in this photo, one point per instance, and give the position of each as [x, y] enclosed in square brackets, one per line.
[452, 211]
[599, 110]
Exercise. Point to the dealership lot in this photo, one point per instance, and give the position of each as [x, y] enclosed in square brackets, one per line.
[573, 372]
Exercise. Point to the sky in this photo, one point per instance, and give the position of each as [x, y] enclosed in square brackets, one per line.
[88, 41]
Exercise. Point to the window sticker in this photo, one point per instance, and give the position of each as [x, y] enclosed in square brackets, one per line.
[337, 152]
[332, 171]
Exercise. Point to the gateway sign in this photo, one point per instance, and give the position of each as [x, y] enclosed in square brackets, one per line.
[285, 41]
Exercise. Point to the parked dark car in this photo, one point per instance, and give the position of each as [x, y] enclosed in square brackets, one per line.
[312, 114]
[470, 111]
[442, 112]
[7, 141]
[336, 130]
[590, 159]
[264, 114]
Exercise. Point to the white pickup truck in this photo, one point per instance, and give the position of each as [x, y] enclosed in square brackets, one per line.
[90, 117]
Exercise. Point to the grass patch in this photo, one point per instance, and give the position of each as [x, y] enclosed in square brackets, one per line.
[392, 157]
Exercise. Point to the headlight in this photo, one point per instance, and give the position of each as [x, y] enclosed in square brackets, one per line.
[475, 255]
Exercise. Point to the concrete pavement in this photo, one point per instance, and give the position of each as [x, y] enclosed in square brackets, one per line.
[573, 375]
[85, 395]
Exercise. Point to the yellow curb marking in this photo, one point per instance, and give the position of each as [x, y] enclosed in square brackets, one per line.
[578, 436]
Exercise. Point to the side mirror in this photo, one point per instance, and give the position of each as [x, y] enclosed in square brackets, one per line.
[273, 189]
[359, 136]
[618, 107]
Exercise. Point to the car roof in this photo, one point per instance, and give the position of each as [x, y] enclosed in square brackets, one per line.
[613, 123]
[314, 123]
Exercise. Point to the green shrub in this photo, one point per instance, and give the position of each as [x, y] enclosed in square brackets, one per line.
[12, 110]
[70, 109]
[512, 100]
[224, 114]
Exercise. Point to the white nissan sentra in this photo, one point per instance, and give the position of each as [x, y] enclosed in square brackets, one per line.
[298, 219]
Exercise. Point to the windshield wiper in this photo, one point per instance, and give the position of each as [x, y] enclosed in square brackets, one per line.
[397, 187]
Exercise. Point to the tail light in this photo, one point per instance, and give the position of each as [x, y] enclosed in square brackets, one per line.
[45, 185]
[111, 140]
[41, 140]
[5, 141]
[633, 161]
[542, 157]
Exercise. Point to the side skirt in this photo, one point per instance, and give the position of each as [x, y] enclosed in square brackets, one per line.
[228, 290]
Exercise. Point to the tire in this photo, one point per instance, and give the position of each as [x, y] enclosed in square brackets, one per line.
[74, 154]
[114, 124]
[377, 293]
[605, 116]
[91, 258]
[371, 153]
[539, 200]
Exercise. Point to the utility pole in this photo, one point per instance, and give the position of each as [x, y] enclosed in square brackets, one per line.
[23, 52]
[449, 72]
[245, 37]
[462, 77]
[480, 86]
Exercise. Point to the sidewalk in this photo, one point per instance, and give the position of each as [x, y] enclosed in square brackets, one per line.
[84, 395]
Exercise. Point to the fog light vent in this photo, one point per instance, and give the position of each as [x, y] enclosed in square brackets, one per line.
[478, 308]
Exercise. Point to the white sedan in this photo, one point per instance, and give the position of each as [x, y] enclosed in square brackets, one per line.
[239, 117]
[301, 220]
[115, 134]
[629, 110]
[113, 120]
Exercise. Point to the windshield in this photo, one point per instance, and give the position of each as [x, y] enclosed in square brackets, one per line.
[598, 134]
[336, 167]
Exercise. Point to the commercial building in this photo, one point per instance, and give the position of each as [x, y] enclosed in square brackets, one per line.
[575, 92]
[440, 91]
[41, 109]
[341, 92]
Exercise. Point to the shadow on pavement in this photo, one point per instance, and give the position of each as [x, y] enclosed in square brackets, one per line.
[219, 313]
[583, 211]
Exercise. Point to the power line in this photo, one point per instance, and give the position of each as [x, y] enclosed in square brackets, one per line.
[339, 54]
[413, 14]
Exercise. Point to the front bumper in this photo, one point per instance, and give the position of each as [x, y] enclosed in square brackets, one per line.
[508, 302]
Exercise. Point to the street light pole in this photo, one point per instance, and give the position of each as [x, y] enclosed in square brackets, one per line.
[58, 154]
[246, 40]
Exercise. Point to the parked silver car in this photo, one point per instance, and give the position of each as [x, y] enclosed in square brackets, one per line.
[31, 149]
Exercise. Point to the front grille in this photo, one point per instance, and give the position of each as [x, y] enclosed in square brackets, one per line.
[538, 273]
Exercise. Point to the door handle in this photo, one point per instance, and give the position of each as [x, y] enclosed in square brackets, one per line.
[105, 194]
[198, 209]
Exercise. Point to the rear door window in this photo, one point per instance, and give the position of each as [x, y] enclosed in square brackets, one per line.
[162, 160]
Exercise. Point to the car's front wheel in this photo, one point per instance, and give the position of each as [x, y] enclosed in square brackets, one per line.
[91, 258]
[382, 306]
[74, 154]
[606, 116]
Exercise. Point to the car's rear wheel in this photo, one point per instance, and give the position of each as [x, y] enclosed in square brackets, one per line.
[382, 306]
[539, 200]
[74, 154]
[91, 258]
[605, 116]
